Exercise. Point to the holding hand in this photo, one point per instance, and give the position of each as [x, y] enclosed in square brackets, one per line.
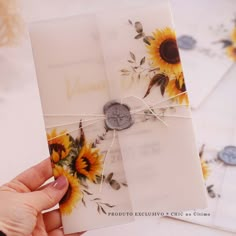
[23, 199]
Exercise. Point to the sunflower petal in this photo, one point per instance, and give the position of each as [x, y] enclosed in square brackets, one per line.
[233, 36]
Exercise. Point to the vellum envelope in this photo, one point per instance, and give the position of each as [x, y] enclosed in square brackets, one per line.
[206, 44]
[117, 117]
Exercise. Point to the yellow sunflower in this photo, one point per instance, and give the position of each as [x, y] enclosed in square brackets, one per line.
[73, 194]
[233, 36]
[164, 51]
[205, 169]
[59, 145]
[231, 52]
[89, 162]
[177, 86]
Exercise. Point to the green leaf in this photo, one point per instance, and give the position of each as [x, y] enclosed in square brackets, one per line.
[159, 80]
[96, 199]
[84, 184]
[109, 177]
[103, 210]
[87, 192]
[83, 202]
[210, 187]
[82, 135]
[99, 209]
[124, 70]
[100, 137]
[108, 205]
[162, 88]
[139, 36]
[154, 69]
[226, 43]
[138, 27]
[100, 178]
[146, 41]
[115, 185]
[132, 56]
[142, 61]
[164, 85]
[166, 82]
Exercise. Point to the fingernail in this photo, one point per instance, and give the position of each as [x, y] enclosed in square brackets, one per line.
[60, 183]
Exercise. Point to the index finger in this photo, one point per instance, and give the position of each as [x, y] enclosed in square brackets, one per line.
[35, 176]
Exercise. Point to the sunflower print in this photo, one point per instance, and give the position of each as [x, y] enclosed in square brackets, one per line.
[177, 86]
[89, 163]
[205, 169]
[59, 145]
[163, 51]
[231, 52]
[231, 49]
[233, 36]
[73, 194]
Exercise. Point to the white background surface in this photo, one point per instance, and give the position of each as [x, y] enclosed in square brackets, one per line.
[23, 142]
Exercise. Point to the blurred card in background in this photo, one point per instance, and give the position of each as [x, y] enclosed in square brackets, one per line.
[216, 133]
[204, 30]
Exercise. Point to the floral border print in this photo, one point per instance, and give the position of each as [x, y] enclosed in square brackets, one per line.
[81, 163]
[161, 65]
[229, 44]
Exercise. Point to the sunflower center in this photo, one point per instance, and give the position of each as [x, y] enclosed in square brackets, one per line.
[57, 147]
[87, 163]
[67, 196]
[169, 51]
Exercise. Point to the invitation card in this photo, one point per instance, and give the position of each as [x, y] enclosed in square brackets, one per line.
[117, 116]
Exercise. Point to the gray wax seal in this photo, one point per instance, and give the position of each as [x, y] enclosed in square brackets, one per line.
[118, 116]
[228, 155]
[186, 42]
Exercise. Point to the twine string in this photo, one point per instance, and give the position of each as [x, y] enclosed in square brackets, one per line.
[74, 115]
[102, 116]
[98, 117]
[156, 104]
[71, 131]
[172, 106]
[148, 107]
[175, 116]
[73, 123]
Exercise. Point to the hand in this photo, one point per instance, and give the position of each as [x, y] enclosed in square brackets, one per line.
[22, 201]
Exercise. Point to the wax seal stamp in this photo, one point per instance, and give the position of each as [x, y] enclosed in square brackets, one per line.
[118, 116]
[228, 155]
[186, 42]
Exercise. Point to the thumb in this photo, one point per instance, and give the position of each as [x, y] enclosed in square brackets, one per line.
[48, 196]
